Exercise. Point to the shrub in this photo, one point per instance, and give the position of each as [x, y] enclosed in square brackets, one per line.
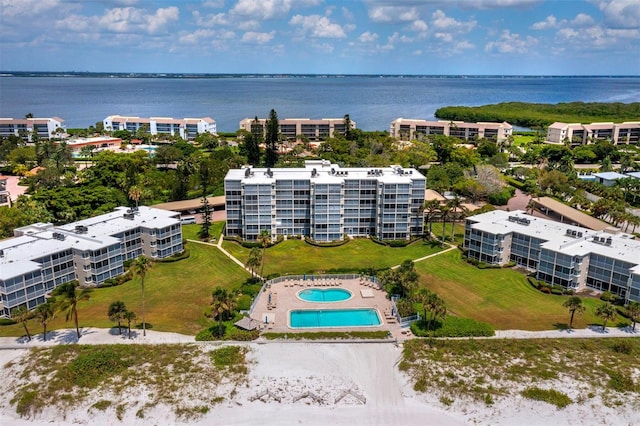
[315, 243]
[621, 382]
[6, 321]
[501, 198]
[242, 335]
[622, 347]
[244, 302]
[607, 296]
[453, 327]
[550, 396]
[405, 307]
[179, 256]
[206, 336]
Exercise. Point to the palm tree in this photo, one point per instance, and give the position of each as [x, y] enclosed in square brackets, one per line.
[71, 296]
[140, 268]
[219, 305]
[431, 207]
[437, 307]
[45, 313]
[254, 260]
[422, 297]
[265, 240]
[444, 213]
[129, 316]
[21, 314]
[574, 304]
[116, 313]
[134, 194]
[457, 212]
[607, 312]
[634, 312]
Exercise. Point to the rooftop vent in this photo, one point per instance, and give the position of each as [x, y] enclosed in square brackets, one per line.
[314, 173]
[268, 173]
[247, 172]
[129, 216]
[58, 236]
[1, 253]
[81, 229]
[520, 220]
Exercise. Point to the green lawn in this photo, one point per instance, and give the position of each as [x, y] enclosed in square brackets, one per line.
[190, 232]
[177, 294]
[501, 297]
[297, 257]
[458, 233]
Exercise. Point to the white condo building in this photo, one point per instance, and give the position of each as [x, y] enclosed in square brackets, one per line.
[291, 128]
[409, 129]
[324, 202]
[566, 255]
[576, 133]
[46, 128]
[41, 256]
[187, 128]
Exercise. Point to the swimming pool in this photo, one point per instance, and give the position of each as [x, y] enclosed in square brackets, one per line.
[323, 318]
[324, 295]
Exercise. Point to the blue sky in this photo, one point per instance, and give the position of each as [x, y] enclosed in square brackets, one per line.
[523, 37]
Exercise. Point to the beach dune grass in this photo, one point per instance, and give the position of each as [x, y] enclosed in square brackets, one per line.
[298, 257]
[500, 297]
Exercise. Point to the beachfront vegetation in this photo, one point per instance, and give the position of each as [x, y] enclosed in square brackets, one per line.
[452, 326]
[328, 335]
[535, 115]
[63, 376]
[488, 370]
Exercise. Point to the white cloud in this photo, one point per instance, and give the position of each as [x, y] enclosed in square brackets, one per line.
[318, 26]
[393, 14]
[495, 4]
[130, 19]
[582, 20]
[549, 22]
[269, 9]
[464, 45]
[213, 4]
[324, 47]
[443, 22]
[620, 13]
[210, 20]
[347, 14]
[13, 8]
[448, 37]
[511, 43]
[161, 18]
[368, 37]
[419, 26]
[254, 37]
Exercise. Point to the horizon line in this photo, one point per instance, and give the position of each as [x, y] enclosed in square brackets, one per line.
[9, 73]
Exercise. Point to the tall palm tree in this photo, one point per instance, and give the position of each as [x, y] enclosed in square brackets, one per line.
[431, 207]
[140, 268]
[422, 297]
[129, 316]
[634, 312]
[71, 296]
[45, 313]
[265, 240]
[444, 214]
[219, 305]
[437, 307]
[457, 212]
[135, 193]
[116, 313]
[254, 260]
[21, 314]
[574, 304]
[607, 312]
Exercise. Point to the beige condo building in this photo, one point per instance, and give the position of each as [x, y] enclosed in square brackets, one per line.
[627, 132]
[290, 128]
[409, 129]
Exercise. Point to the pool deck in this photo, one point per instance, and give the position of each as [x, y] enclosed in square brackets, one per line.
[274, 316]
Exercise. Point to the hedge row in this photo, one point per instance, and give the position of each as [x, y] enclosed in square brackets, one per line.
[182, 255]
[453, 327]
[394, 243]
[116, 281]
[327, 244]
[251, 244]
[514, 182]
[549, 288]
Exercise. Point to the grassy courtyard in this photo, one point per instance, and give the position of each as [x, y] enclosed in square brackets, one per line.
[298, 257]
[500, 297]
[177, 294]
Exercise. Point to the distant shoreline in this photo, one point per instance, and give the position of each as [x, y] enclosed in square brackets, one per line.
[87, 74]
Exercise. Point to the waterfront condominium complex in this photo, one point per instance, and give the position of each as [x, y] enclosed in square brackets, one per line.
[570, 256]
[41, 256]
[45, 128]
[580, 134]
[325, 202]
[187, 128]
[291, 128]
[409, 129]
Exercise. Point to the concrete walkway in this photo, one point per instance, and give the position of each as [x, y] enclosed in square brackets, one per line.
[218, 245]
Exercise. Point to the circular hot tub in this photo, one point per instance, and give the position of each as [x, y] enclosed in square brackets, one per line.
[322, 295]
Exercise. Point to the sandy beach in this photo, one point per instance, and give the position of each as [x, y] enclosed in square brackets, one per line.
[310, 383]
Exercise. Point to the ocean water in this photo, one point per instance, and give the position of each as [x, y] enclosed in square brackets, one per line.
[373, 102]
